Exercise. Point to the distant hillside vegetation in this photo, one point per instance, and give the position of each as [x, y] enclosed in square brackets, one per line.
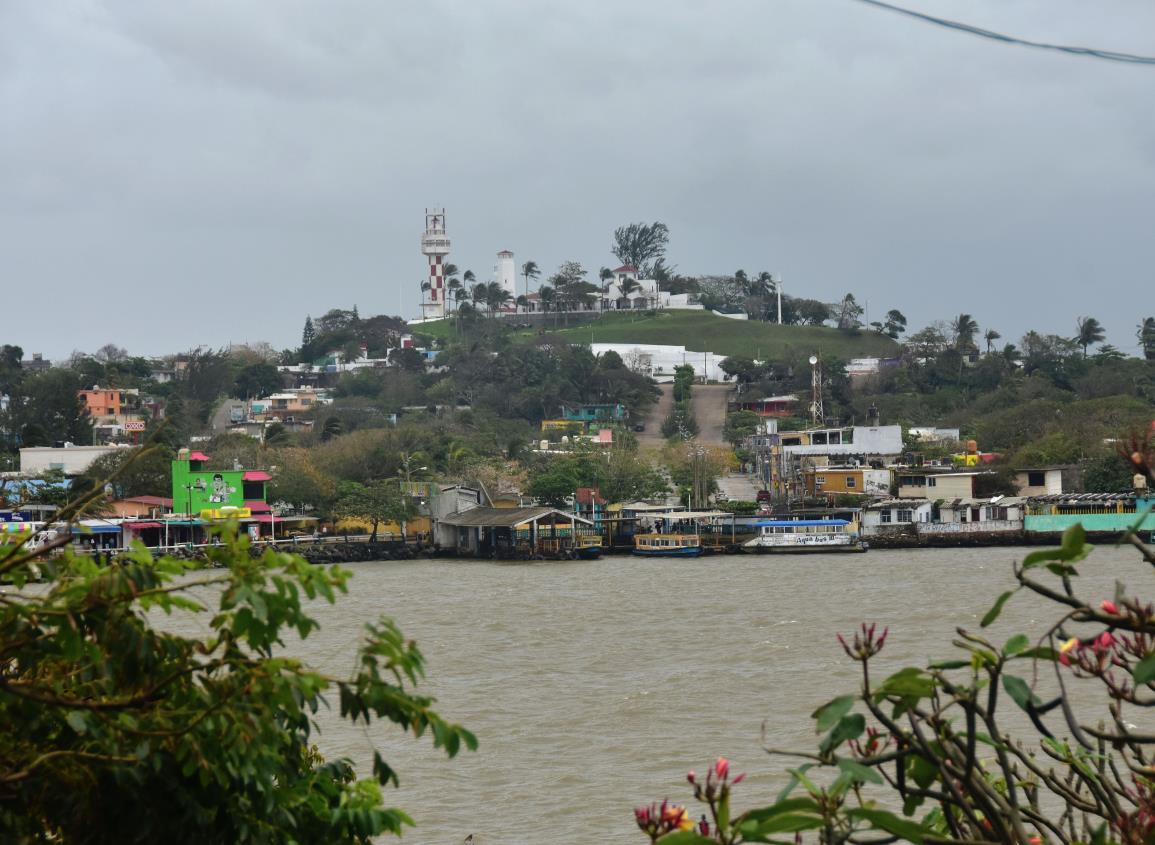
[702, 331]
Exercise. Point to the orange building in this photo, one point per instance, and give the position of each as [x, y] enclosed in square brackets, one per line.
[109, 403]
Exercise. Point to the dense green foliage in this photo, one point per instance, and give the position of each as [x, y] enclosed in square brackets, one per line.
[119, 730]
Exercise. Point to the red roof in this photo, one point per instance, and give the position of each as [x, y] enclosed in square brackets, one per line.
[158, 501]
[257, 475]
[140, 526]
[257, 506]
[627, 268]
[589, 495]
[198, 456]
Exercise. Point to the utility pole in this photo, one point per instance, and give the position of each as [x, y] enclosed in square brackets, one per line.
[778, 291]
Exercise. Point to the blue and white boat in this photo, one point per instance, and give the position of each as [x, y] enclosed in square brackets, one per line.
[783, 536]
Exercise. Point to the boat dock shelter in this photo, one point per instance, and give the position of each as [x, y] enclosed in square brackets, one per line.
[513, 532]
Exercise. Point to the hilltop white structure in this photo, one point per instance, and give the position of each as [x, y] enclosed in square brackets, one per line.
[505, 273]
[625, 291]
[658, 360]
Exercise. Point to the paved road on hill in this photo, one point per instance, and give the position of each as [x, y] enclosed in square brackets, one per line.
[709, 403]
[652, 436]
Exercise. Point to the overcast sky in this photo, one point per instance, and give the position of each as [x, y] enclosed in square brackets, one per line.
[179, 174]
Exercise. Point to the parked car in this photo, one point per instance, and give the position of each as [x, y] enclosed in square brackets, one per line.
[639, 426]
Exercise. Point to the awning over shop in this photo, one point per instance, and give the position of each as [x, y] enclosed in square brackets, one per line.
[256, 475]
[20, 527]
[96, 528]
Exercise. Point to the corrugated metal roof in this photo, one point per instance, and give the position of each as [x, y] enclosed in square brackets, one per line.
[504, 517]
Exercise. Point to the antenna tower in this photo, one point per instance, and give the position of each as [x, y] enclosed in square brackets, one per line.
[816, 413]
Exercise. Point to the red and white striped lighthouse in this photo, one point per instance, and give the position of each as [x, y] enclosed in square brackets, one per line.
[435, 246]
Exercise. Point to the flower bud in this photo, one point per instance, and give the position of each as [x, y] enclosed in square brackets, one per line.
[691, 777]
[1109, 607]
[722, 767]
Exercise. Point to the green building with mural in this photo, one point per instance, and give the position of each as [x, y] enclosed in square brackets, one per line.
[215, 493]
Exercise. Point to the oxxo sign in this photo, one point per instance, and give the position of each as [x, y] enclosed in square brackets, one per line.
[134, 425]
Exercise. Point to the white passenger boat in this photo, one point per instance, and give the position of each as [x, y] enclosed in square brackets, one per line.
[804, 535]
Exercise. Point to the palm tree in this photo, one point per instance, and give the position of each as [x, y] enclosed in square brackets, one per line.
[1090, 331]
[990, 337]
[628, 286]
[606, 275]
[529, 270]
[548, 297]
[477, 294]
[1147, 338]
[495, 297]
[965, 328]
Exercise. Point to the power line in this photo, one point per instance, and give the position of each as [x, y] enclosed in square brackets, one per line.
[1108, 55]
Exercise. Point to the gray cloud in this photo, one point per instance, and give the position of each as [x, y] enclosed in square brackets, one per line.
[185, 174]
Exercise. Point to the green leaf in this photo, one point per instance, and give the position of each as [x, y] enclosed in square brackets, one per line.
[781, 807]
[1074, 549]
[859, 772]
[1144, 671]
[1040, 653]
[797, 776]
[1016, 644]
[686, 837]
[950, 664]
[1018, 690]
[921, 771]
[882, 820]
[788, 823]
[848, 727]
[906, 683]
[829, 714]
[993, 613]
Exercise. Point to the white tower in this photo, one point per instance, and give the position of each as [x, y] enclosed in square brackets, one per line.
[505, 272]
[435, 246]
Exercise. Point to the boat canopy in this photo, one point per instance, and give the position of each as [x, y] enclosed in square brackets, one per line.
[786, 523]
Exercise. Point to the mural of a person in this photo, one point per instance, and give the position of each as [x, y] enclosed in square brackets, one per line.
[220, 491]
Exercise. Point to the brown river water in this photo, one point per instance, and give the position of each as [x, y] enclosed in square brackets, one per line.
[593, 686]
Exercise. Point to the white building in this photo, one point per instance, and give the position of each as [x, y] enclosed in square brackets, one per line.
[505, 272]
[69, 458]
[658, 360]
[625, 292]
[895, 516]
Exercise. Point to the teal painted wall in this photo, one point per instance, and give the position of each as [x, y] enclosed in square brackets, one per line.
[1092, 522]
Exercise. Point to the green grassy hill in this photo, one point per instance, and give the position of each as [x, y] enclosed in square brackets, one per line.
[702, 331]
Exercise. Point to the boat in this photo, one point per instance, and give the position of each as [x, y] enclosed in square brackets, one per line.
[588, 546]
[785, 536]
[679, 533]
[667, 545]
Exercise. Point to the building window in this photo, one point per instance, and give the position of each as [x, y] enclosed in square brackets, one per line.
[905, 515]
[820, 479]
[884, 516]
[851, 483]
[1036, 479]
[932, 482]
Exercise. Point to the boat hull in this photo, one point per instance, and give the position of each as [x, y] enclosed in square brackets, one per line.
[824, 549]
[684, 552]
